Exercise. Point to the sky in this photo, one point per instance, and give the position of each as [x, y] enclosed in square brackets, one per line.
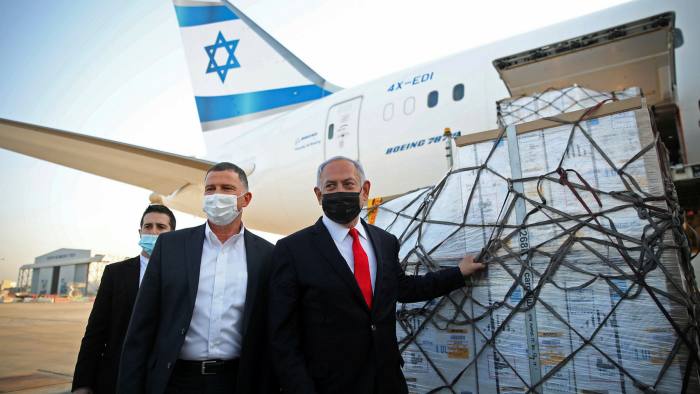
[117, 70]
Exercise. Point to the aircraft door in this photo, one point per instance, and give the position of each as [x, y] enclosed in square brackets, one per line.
[342, 129]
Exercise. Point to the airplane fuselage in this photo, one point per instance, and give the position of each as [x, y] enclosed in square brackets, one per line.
[394, 125]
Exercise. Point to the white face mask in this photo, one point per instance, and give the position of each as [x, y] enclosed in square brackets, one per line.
[221, 209]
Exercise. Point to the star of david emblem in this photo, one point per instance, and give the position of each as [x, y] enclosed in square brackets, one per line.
[231, 61]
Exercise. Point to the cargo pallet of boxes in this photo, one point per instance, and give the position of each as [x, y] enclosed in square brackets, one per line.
[588, 287]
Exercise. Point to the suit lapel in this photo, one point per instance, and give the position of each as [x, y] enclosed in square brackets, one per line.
[375, 241]
[326, 246]
[193, 256]
[254, 265]
[132, 280]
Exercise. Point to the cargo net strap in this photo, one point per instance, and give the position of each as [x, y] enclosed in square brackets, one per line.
[646, 277]
[553, 102]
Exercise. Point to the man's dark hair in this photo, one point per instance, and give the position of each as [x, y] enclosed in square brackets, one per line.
[226, 166]
[159, 209]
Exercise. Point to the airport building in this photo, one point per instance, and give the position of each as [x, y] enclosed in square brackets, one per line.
[65, 272]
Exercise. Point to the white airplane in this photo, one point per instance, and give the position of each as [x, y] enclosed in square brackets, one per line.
[262, 108]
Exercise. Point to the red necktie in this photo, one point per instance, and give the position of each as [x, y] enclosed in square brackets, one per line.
[361, 267]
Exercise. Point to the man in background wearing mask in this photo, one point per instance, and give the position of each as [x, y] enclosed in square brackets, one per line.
[198, 325]
[333, 294]
[98, 360]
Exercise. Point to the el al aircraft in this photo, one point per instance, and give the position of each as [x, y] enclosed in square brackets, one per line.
[249, 89]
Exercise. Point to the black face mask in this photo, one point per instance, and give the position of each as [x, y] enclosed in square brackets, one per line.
[341, 207]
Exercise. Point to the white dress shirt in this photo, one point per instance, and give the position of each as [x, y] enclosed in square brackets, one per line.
[215, 328]
[142, 267]
[343, 241]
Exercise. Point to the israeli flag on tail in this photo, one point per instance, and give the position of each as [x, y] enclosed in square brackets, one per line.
[239, 72]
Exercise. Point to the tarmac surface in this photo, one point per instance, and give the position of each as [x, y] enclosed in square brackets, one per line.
[39, 344]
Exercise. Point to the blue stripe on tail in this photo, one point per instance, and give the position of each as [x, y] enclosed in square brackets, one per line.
[212, 108]
[201, 15]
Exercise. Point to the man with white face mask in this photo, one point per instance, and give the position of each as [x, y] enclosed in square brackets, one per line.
[199, 321]
[98, 360]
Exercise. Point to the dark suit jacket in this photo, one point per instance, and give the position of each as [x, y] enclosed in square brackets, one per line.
[324, 338]
[98, 359]
[164, 309]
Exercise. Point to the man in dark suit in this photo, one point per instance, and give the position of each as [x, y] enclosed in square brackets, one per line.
[333, 294]
[98, 360]
[199, 321]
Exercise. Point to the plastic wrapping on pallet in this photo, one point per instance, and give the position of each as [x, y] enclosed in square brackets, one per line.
[553, 102]
[588, 287]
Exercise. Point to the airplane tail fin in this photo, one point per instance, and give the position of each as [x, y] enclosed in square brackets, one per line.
[239, 72]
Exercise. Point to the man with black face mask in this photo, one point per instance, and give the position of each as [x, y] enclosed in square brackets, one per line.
[333, 294]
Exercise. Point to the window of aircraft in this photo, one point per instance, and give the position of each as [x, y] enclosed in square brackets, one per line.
[388, 111]
[458, 92]
[330, 131]
[432, 99]
[409, 105]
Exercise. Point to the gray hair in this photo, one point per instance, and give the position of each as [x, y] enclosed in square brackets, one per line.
[358, 168]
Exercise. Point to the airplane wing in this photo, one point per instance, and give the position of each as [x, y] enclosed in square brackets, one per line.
[177, 181]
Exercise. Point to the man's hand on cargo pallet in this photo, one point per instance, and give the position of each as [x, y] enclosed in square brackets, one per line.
[469, 265]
